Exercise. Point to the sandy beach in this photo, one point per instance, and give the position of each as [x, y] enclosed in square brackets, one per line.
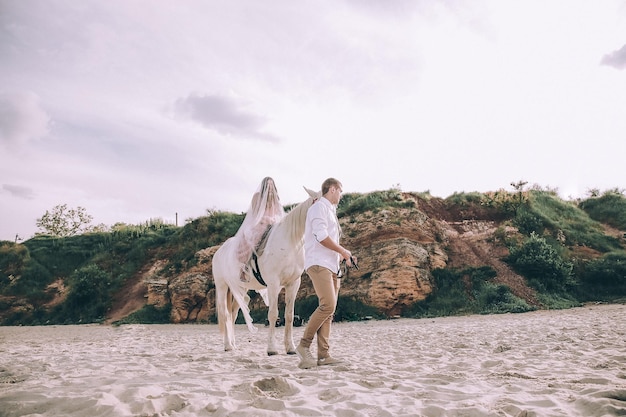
[544, 363]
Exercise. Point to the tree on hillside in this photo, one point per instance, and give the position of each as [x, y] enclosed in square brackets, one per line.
[519, 187]
[62, 221]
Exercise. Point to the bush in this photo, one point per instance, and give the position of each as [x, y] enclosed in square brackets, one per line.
[88, 296]
[527, 222]
[148, 314]
[306, 306]
[604, 278]
[557, 301]
[450, 296]
[468, 291]
[496, 299]
[541, 264]
[13, 257]
[351, 309]
[31, 283]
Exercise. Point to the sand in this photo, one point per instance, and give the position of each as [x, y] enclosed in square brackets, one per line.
[545, 363]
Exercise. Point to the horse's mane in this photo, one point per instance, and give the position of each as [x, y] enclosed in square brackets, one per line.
[294, 221]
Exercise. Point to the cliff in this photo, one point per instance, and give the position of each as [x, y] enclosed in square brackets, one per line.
[411, 247]
[397, 249]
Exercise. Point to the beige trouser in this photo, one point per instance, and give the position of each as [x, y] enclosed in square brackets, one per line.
[326, 286]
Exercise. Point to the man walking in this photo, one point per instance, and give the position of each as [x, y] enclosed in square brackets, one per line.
[323, 254]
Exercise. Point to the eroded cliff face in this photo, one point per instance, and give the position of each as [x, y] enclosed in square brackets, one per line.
[191, 293]
[397, 249]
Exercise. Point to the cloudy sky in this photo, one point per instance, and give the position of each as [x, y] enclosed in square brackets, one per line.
[142, 109]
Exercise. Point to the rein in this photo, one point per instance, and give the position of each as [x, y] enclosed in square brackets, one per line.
[260, 247]
[257, 272]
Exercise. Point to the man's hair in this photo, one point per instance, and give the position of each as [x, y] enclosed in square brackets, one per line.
[330, 182]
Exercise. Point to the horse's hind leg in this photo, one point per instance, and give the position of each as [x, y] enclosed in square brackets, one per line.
[224, 302]
[291, 291]
[233, 308]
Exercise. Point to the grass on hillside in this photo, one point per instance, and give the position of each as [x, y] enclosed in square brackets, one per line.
[609, 208]
[353, 203]
[568, 224]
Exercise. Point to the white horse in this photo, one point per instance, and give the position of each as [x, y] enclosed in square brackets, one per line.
[280, 265]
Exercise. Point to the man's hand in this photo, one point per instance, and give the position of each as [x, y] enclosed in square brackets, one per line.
[353, 262]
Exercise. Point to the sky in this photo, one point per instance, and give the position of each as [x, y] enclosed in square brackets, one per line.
[159, 109]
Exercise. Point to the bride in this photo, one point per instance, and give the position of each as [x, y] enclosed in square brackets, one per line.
[265, 210]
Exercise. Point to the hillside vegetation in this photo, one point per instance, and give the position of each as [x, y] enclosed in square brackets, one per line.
[539, 251]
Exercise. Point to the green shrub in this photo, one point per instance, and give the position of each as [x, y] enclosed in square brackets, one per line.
[527, 222]
[449, 296]
[306, 306]
[495, 299]
[604, 278]
[557, 301]
[467, 291]
[451, 293]
[490, 298]
[479, 275]
[148, 314]
[18, 318]
[88, 297]
[541, 264]
[13, 257]
[31, 284]
[352, 309]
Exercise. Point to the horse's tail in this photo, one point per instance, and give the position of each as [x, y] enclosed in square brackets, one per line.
[241, 297]
[236, 296]
[234, 302]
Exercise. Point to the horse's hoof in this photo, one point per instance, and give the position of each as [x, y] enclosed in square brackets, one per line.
[291, 352]
[271, 353]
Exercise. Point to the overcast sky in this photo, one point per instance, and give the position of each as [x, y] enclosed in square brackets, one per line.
[142, 109]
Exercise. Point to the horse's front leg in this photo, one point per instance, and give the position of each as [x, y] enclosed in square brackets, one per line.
[272, 317]
[291, 291]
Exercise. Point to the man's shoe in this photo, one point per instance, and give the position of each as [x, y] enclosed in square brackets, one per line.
[329, 360]
[306, 359]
